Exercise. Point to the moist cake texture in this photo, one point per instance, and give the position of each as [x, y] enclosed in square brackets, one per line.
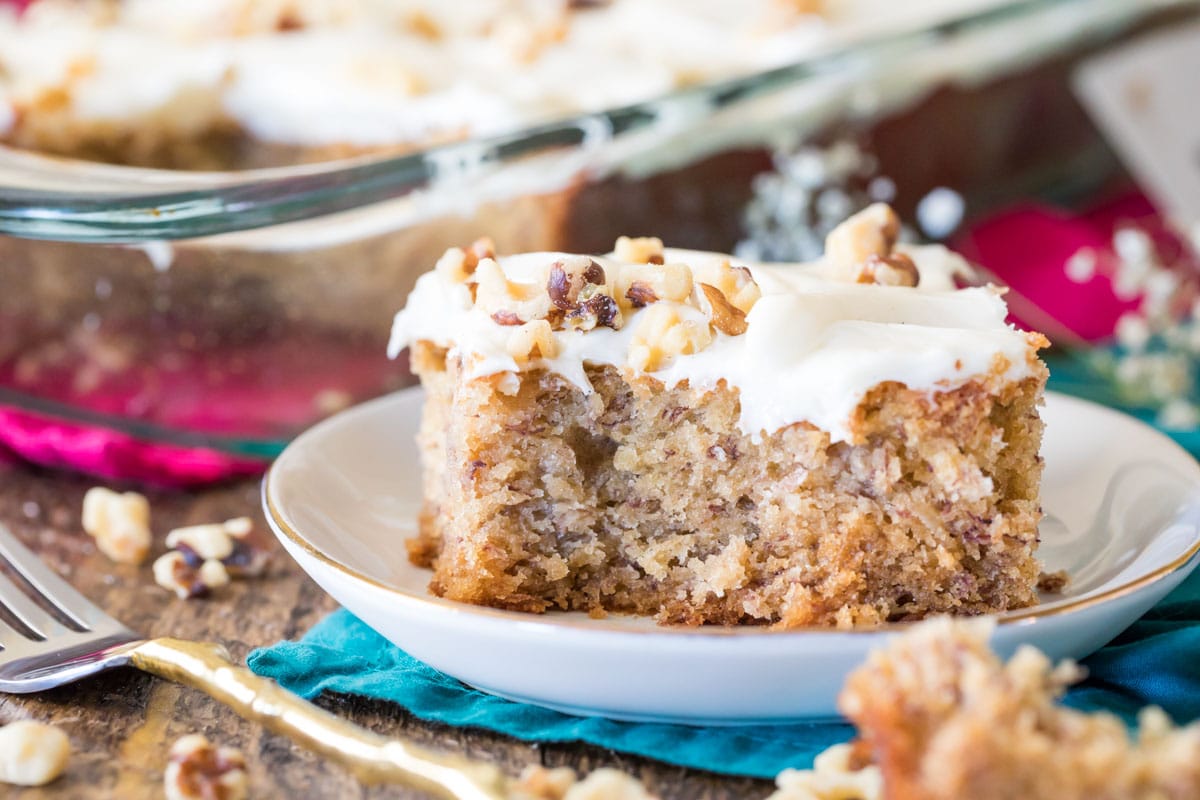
[944, 719]
[670, 433]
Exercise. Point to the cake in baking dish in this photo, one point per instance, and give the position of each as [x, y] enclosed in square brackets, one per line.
[678, 434]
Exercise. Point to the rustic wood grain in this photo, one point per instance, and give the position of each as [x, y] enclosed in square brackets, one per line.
[122, 723]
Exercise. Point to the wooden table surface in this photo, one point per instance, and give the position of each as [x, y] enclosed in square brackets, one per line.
[122, 723]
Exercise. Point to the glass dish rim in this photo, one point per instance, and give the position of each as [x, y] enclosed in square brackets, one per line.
[104, 203]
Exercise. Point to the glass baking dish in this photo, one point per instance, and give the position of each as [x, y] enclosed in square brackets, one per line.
[229, 310]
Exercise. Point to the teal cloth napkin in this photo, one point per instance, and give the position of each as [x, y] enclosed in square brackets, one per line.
[1155, 661]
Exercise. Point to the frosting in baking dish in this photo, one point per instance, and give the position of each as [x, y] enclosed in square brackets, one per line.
[371, 73]
[814, 344]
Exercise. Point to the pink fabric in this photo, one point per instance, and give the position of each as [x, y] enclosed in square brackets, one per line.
[118, 456]
[1028, 246]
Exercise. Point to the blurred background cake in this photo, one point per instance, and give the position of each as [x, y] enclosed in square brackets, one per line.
[749, 127]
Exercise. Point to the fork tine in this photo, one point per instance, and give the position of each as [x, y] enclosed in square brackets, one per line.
[31, 614]
[56, 591]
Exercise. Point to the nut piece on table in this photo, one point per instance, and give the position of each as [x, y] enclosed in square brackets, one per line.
[861, 249]
[188, 575]
[120, 524]
[226, 542]
[32, 753]
[834, 776]
[198, 770]
[539, 783]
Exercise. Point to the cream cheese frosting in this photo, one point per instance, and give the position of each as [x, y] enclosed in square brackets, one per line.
[814, 344]
[373, 72]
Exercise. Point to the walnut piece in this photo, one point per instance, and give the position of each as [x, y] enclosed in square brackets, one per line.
[539, 783]
[738, 286]
[532, 341]
[198, 770]
[896, 269]
[459, 264]
[726, 317]
[861, 249]
[835, 776]
[206, 557]
[120, 523]
[662, 333]
[508, 302]
[32, 753]
[640, 285]
[189, 575]
[579, 286]
[643, 250]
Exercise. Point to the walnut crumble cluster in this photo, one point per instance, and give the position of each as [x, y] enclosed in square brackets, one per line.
[577, 293]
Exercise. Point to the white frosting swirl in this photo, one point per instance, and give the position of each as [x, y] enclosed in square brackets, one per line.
[814, 346]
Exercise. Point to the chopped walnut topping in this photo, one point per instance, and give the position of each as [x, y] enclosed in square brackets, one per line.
[459, 264]
[726, 317]
[861, 249]
[120, 524]
[640, 294]
[568, 278]
[644, 250]
[579, 286]
[532, 341]
[508, 302]
[738, 286]
[896, 269]
[640, 285]
[32, 753]
[198, 770]
[663, 333]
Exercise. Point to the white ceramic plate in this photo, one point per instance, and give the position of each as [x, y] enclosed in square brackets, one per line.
[1122, 519]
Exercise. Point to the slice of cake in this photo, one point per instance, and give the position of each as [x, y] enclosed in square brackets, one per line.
[675, 433]
[944, 719]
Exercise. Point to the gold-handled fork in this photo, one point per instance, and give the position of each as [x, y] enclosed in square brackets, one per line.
[43, 650]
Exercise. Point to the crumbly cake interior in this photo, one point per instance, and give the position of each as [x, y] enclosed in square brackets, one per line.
[944, 719]
[649, 500]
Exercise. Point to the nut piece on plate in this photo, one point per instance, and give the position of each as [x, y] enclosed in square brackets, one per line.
[120, 524]
[539, 783]
[32, 753]
[198, 770]
[861, 249]
[836, 775]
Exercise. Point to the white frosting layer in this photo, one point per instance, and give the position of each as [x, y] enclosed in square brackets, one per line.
[813, 347]
[379, 72]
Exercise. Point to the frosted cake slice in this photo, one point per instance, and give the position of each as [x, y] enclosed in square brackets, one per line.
[679, 434]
